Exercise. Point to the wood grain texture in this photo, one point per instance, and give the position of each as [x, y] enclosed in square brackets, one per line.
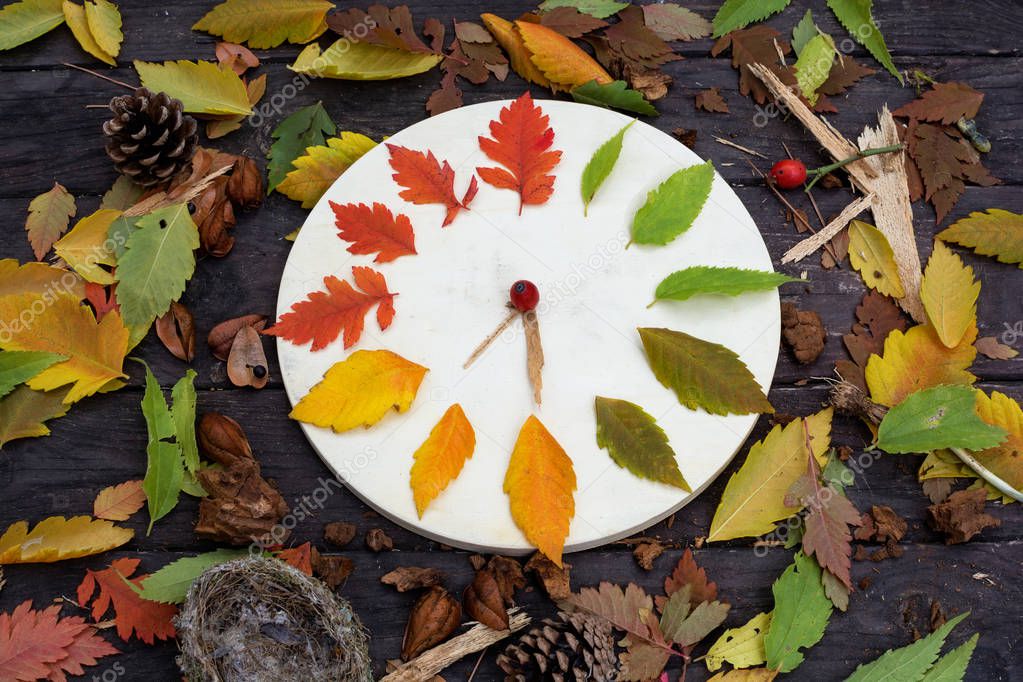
[49, 135]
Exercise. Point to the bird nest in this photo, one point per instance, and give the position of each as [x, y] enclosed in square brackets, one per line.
[257, 619]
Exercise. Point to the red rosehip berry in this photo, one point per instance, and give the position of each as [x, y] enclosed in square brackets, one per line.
[524, 295]
[788, 173]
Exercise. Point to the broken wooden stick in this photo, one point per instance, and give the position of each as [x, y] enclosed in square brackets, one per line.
[824, 235]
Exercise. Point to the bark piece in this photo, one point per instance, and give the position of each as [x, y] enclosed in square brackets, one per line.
[405, 578]
[556, 581]
[961, 516]
[803, 331]
[378, 541]
[339, 533]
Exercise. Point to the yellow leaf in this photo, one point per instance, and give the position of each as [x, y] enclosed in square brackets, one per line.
[76, 20]
[1005, 460]
[203, 87]
[750, 675]
[23, 413]
[23, 21]
[39, 279]
[754, 498]
[321, 166]
[57, 538]
[915, 360]
[362, 61]
[995, 233]
[519, 56]
[872, 256]
[119, 502]
[563, 62]
[104, 21]
[360, 390]
[86, 247]
[945, 464]
[440, 458]
[540, 483]
[949, 294]
[219, 127]
[266, 23]
[95, 351]
[743, 646]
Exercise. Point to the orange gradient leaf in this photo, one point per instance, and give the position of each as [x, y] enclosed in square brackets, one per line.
[540, 483]
[519, 56]
[427, 181]
[521, 143]
[119, 502]
[440, 458]
[917, 359]
[1005, 460]
[374, 230]
[562, 62]
[149, 620]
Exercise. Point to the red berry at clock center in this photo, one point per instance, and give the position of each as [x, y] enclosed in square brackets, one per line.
[524, 295]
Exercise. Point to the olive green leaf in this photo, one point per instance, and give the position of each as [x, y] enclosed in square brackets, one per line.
[170, 584]
[814, 65]
[917, 661]
[855, 16]
[686, 625]
[17, 367]
[705, 279]
[936, 418]
[635, 442]
[600, 166]
[735, 14]
[601, 9]
[183, 413]
[24, 412]
[613, 95]
[803, 32]
[801, 613]
[703, 374]
[671, 208]
[307, 127]
[162, 483]
[362, 61]
[952, 666]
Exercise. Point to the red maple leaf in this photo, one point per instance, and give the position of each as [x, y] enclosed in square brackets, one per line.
[148, 619]
[521, 142]
[427, 181]
[102, 300]
[300, 557]
[325, 314]
[39, 645]
[374, 230]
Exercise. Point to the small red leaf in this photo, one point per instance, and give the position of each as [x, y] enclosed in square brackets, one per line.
[148, 619]
[427, 181]
[300, 557]
[374, 230]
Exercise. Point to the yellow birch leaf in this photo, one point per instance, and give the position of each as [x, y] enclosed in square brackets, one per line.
[995, 233]
[23, 413]
[23, 21]
[519, 56]
[119, 502]
[202, 87]
[39, 279]
[85, 248]
[563, 62]
[321, 166]
[440, 458]
[57, 538]
[1005, 460]
[748, 675]
[104, 21]
[915, 360]
[540, 483]
[754, 497]
[219, 127]
[360, 390]
[95, 351]
[743, 646]
[76, 20]
[266, 23]
[949, 294]
[872, 256]
[356, 61]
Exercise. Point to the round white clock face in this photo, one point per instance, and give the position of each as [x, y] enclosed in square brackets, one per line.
[594, 294]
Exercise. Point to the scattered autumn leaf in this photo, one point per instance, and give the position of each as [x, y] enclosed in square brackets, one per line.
[57, 538]
[119, 502]
[949, 293]
[915, 360]
[564, 64]
[711, 100]
[321, 165]
[994, 232]
[872, 256]
[27, 20]
[148, 620]
[48, 217]
[23, 413]
[263, 23]
[434, 617]
[521, 59]
[945, 103]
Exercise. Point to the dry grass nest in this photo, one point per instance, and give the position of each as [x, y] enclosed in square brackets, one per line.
[257, 620]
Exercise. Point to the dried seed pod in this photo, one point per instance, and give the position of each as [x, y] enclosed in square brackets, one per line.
[221, 337]
[245, 186]
[176, 329]
[222, 438]
[246, 365]
[434, 617]
[483, 601]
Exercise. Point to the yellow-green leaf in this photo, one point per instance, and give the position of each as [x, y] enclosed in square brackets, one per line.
[203, 87]
[814, 65]
[321, 166]
[635, 442]
[48, 217]
[104, 21]
[440, 458]
[949, 294]
[23, 21]
[743, 646]
[915, 360]
[57, 538]
[872, 256]
[754, 498]
[23, 413]
[76, 20]
[266, 23]
[362, 61]
[995, 233]
[85, 248]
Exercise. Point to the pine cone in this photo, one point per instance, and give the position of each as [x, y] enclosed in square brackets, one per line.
[150, 138]
[572, 647]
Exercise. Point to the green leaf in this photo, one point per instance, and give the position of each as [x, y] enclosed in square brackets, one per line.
[685, 627]
[801, 613]
[704, 279]
[743, 646]
[157, 262]
[635, 442]
[855, 16]
[908, 663]
[120, 230]
[262, 23]
[952, 666]
[159, 422]
[671, 208]
[307, 127]
[601, 9]
[162, 483]
[936, 418]
[203, 87]
[17, 367]
[122, 195]
[362, 61]
[703, 374]
[183, 413]
[190, 485]
[170, 584]
[613, 95]
[735, 14]
[803, 32]
[24, 412]
[814, 65]
[600, 166]
[23, 21]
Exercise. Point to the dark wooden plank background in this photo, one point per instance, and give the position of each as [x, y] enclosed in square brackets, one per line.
[49, 134]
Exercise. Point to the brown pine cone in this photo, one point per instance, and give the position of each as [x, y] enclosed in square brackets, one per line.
[150, 138]
[571, 647]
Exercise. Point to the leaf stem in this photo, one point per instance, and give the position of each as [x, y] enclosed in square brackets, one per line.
[101, 76]
[819, 173]
[999, 484]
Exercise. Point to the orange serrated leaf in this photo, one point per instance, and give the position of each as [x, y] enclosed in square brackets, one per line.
[562, 62]
[374, 230]
[324, 315]
[149, 620]
[440, 458]
[57, 538]
[119, 502]
[427, 181]
[521, 143]
[300, 557]
[917, 359]
[540, 483]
